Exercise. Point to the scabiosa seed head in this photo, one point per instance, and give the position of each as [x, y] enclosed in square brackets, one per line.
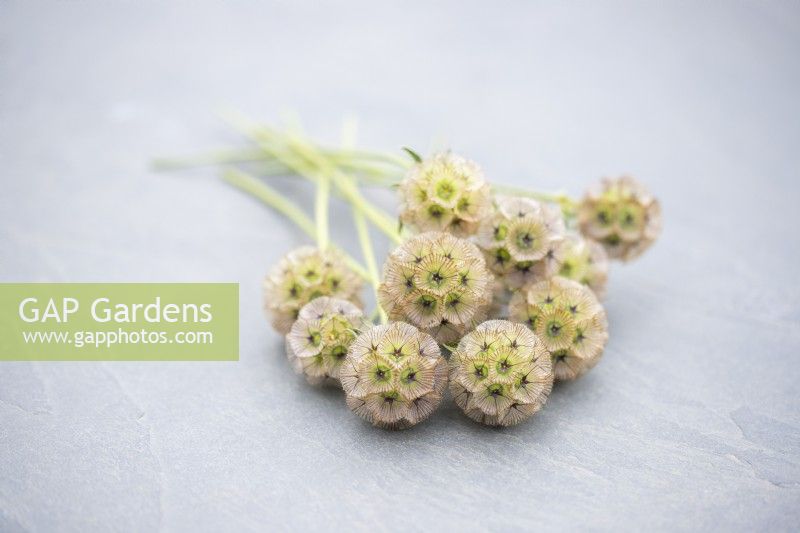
[302, 275]
[437, 282]
[585, 261]
[569, 320]
[522, 240]
[317, 344]
[394, 375]
[445, 193]
[622, 215]
[500, 373]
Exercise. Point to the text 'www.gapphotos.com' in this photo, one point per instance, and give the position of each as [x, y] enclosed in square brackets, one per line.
[80, 339]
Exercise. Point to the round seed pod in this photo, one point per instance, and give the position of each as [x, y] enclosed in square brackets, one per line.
[445, 193]
[394, 375]
[622, 215]
[438, 283]
[585, 261]
[568, 319]
[500, 373]
[522, 241]
[302, 275]
[317, 344]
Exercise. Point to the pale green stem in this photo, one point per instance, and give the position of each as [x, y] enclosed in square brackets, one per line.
[271, 197]
[349, 190]
[349, 134]
[516, 191]
[217, 157]
[284, 206]
[387, 158]
[567, 204]
[370, 169]
[321, 211]
[375, 215]
[370, 174]
[369, 258]
[268, 140]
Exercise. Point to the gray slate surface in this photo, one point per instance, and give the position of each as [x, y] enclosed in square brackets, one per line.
[691, 420]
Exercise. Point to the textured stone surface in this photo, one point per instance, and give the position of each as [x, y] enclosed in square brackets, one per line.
[691, 421]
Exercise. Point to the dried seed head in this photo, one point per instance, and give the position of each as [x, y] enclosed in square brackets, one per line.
[500, 373]
[585, 261]
[394, 375]
[522, 240]
[317, 344]
[569, 320]
[437, 282]
[302, 275]
[622, 215]
[445, 193]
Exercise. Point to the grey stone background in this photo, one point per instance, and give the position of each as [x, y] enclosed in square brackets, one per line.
[691, 420]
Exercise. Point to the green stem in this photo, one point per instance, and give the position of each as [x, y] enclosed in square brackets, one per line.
[348, 189]
[369, 258]
[370, 174]
[321, 211]
[217, 157]
[382, 221]
[371, 166]
[306, 161]
[567, 204]
[380, 157]
[281, 204]
[271, 197]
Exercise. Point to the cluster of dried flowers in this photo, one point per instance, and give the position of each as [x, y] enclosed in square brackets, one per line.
[302, 275]
[500, 373]
[509, 285]
[451, 284]
[568, 319]
[394, 375]
[622, 215]
[438, 283]
[445, 193]
[321, 336]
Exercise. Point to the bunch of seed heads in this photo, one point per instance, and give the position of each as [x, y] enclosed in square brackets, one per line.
[507, 281]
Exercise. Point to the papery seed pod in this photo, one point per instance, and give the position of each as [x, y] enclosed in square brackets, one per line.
[522, 240]
[569, 320]
[394, 375]
[622, 215]
[437, 282]
[585, 261]
[445, 193]
[317, 344]
[302, 275]
[500, 373]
